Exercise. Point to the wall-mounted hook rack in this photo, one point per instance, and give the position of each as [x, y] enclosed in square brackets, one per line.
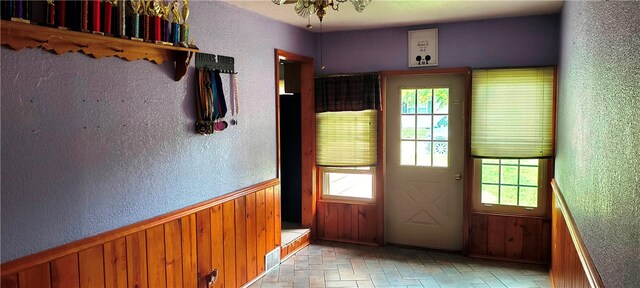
[224, 64]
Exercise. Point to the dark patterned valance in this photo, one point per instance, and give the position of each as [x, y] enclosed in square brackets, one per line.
[347, 93]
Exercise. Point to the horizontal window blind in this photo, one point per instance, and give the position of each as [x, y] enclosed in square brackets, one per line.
[512, 113]
[347, 139]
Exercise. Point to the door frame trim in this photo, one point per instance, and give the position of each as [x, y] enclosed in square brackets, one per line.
[308, 133]
[466, 114]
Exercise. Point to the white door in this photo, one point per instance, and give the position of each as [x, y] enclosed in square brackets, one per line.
[424, 161]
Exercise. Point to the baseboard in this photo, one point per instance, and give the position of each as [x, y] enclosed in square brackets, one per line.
[517, 260]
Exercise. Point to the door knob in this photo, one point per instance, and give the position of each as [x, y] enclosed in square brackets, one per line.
[458, 176]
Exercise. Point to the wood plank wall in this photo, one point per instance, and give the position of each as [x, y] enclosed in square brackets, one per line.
[356, 223]
[232, 233]
[571, 264]
[517, 238]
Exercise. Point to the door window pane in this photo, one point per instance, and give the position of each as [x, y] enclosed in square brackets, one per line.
[440, 154]
[424, 127]
[408, 153]
[408, 127]
[424, 135]
[423, 152]
[408, 101]
[441, 101]
[425, 101]
[441, 127]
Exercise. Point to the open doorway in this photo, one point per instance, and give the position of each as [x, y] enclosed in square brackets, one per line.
[296, 148]
[290, 150]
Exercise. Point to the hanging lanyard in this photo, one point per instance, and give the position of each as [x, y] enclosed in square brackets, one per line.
[214, 90]
[222, 104]
[200, 87]
[234, 98]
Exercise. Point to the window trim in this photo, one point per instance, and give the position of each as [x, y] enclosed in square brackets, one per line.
[325, 197]
[543, 183]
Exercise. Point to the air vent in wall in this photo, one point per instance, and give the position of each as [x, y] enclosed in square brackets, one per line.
[272, 259]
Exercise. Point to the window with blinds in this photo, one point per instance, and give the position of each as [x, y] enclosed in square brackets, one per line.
[512, 113]
[512, 131]
[346, 138]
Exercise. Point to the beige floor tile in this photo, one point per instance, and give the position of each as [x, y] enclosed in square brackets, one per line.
[331, 264]
[341, 284]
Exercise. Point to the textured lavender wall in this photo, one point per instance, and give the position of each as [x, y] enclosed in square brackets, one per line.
[91, 145]
[524, 41]
[598, 163]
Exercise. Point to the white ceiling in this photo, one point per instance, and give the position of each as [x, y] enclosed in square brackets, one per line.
[397, 13]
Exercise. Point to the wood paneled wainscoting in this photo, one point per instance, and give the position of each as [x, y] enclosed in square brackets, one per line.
[231, 233]
[519, 238]
[571, 264]
[354, 223]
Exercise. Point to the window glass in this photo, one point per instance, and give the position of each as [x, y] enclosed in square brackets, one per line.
[423, 153]
[408, 155]
[510, 182]
[348, 182]
[424, 127]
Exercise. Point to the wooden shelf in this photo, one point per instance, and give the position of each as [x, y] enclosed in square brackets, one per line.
[59, 41]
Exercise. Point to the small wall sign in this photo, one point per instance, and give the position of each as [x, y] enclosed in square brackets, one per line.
[423, 48]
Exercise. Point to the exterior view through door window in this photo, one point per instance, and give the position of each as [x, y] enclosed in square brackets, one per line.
[424, 131]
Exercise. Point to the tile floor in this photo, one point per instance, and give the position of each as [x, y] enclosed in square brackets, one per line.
[331, 264]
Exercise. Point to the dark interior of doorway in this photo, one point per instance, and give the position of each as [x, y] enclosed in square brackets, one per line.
[290, 151]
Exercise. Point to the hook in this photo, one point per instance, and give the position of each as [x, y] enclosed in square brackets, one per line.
[212, 277]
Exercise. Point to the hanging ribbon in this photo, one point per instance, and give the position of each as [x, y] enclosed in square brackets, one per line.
[211, 103]
[234, 97]
[204, 102]
[199, 94]
[220, 104]
[214, 89]
[222, 101]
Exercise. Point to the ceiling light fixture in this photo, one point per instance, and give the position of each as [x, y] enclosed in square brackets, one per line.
[305, 8]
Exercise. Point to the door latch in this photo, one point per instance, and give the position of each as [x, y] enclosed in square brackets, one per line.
[458, 176]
